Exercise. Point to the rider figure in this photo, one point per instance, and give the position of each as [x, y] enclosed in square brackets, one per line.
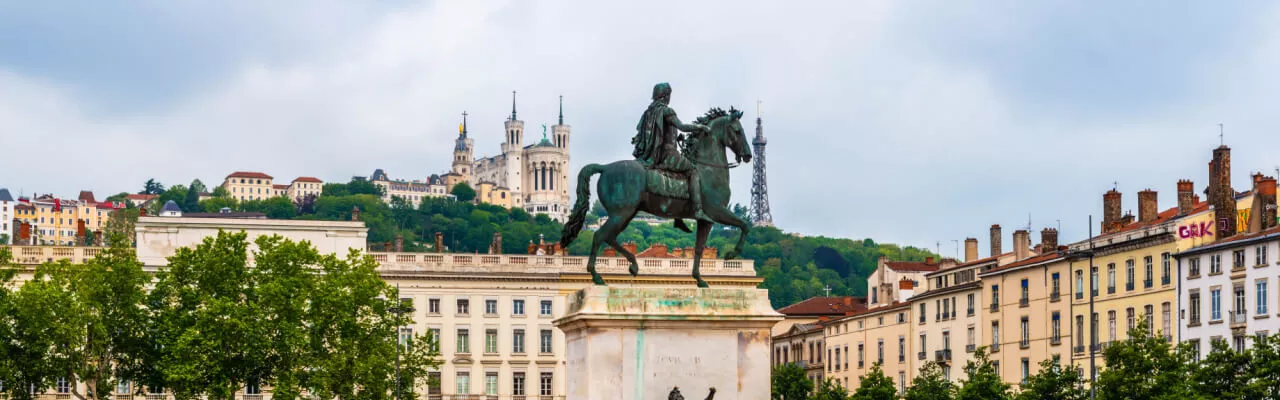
[656, 139]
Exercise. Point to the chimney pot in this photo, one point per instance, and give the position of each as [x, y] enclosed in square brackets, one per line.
[1147, 206]
[1048, 240]
[1021, 244]
[996, 248]
[1110, 211]
[970, 249]
[1186, 196]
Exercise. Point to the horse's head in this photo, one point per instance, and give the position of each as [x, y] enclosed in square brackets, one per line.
[726, 130]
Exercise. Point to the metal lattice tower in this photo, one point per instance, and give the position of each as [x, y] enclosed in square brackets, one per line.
[760, 214]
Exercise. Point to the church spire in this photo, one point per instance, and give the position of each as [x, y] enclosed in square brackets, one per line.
[462, 129]
[513, 105]
[562, 109]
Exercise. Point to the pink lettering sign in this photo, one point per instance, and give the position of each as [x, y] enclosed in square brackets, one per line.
[1195, 230]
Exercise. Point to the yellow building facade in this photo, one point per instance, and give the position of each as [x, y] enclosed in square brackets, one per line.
[878, 335]
[1033, 314]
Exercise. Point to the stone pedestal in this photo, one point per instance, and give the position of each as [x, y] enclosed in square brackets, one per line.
[639, 343]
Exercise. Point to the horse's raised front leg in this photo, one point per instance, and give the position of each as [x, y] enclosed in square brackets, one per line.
[704, 229]
[725, 216]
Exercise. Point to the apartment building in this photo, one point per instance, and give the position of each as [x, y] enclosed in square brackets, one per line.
[7, 230]
[1032, 309]
[878, 335]
[413, 191]
[803, 345]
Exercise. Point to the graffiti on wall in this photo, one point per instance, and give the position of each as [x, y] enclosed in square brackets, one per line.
[1196, 230]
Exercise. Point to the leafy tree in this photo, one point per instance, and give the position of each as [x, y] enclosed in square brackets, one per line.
[41, 334]
[305, 204]
[463, 192]
[1054, 381]
[875, 385]
[216, 204]
[278, 207]
[118, 197]
[830, 390]
[983, 382]
[207, 322]
[1265, 367]
[1224, 374]
[790, 383]
[4, 238]
[220, 191]
[1144, 367]
[929, 384]
[177, 193]
[152, 186]
[359, 185]
[191, 202]
[741, 211]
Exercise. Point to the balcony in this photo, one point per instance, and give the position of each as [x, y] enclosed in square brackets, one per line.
[970, 311]
[1077, 349]
[1128, 286]
[1164, 280]
[942, 356]
[995, 347]
[922, 355]
[995, 307]
[1054, 296]
[970, 348]
[946, 316]
[1111, 290]
[1079, 295]
[1024, 343]
[1055, 340]
[1024, 302]
[1238, 318]
[860, 364]
[1147, 283]
[922, 318]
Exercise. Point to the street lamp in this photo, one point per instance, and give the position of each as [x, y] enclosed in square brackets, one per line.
[399, 309]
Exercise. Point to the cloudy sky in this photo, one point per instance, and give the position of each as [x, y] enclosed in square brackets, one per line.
[911, 122]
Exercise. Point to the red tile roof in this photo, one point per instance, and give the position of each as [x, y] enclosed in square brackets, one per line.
[911, 266]
[280, 187]
[143, 197]
[87, 196]
[249, 174]
[307, 179]
[834, 305]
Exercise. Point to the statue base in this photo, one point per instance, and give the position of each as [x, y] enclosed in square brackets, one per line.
[639, 343]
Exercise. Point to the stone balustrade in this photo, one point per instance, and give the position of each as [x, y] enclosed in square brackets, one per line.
[516, 263]
[32, 255]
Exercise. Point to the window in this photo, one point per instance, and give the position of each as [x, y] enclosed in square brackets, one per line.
[1149, 314]
[1129, 275]
[406, 334]
[491, 383]
[1237, 259]
[1215, 264]
[517, 306]
[1026, 332]
[491, 307]
[1215, 304]
[544, 384]
[880, 351]
[1079, 331]
[1026, 370]
[1130, 317]
[1026, 290]
[846, 355]
[1093, 281]
[859, 357]
[1111, 325]
[544, 342]
[922, 311]
[972, 338]
[946, 340]
[463, 383]
[122, 387]
[1079, 284]
[63, 386]
[491, 341]
[902, 382]
[995, 335]
[1056, 327]
[995, 296]
[924, 344]
[1193, 267]
[1165, 311]
[1240, 301]
[1194, 308]
[517, 384]
[1260, 255]
[970, 304]
[545, 308]
[1147, 269]
[1055, 285]
[1261, 295]
[875, 298]
[1195, 349]
[463, 306]
[1111, 278]
[464, 341]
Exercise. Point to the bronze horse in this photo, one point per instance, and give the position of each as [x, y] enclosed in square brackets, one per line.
[626, 187]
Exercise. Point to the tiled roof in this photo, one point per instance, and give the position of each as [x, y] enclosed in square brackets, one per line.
[143, 197]
[249, 174]
[1028, 261]
[5, 196]
[306, 179]
[911, 266]
[87, 196]
[280, 187]
[171, 206]
[835, 305]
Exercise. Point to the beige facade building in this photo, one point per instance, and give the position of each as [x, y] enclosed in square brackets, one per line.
[61, 222]
[877, 335]
[1033, 311]
[247, 185]
[802, 344]
[413, 191]
[885, 285]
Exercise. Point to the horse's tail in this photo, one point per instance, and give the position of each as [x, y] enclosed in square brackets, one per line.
[579, 215]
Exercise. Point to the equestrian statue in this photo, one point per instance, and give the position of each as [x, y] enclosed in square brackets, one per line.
[673, 176]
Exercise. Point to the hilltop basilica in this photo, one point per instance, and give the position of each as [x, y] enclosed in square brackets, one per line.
[534, 177]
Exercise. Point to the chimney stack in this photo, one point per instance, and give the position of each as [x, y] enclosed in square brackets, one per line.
[1263, 214]
[1110, 211]
[1147, 206]
[1221, 196]
[1186, 197]
[1048, 240]
[439, 242]
[1021, 244]
[970, 249]
[996, 249]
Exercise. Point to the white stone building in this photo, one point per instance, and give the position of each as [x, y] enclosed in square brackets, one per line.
[6, 217]
[413, 191]
[1227, 290]
[537, 175]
